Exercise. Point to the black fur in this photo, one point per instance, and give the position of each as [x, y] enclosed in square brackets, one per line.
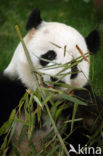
[88, 96]
[74, 70]
[10, 94]
[93, 41]
[34, 19]
[50, 55]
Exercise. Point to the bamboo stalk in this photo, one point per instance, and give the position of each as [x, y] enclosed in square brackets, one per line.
[35, 77]
[81, 52]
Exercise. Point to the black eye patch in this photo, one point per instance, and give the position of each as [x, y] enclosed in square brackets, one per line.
[50, 55]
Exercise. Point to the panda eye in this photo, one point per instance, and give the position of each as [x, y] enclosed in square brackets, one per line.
[50, 55]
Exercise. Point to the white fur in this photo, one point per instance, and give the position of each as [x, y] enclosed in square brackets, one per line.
[39, 44]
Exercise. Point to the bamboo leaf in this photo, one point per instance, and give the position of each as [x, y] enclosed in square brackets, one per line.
[4, 128]
[33, 150]
[15, 149]
[73, 99]
[12, 131]
[23, 134]
[55, 44]
[36, 99]
[65, 50]
[75, 120]
[73, 115]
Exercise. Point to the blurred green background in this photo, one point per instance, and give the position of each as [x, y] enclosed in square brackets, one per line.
[81, 14]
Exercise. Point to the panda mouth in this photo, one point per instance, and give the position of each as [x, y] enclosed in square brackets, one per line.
[53, 83]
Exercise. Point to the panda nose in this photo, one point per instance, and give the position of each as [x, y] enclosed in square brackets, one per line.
[53, 79]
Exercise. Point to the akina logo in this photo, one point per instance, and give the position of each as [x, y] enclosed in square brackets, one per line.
[85, 150]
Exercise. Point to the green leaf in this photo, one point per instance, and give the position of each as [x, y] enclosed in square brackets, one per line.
[12, 131]
[48, 98]
[73, 115]
[15, 149]
[36, 99]
[23, 134]
[73, 99]
[53, 150]
[75, 120]
[33, 150]
[4, 128]
[4, 145]
[65, 47]
[5, 152]
[55, 44]
[58, 112]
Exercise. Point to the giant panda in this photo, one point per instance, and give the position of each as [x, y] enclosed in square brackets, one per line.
[45, 42]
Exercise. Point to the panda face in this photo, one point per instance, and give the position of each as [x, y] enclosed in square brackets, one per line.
[45, 43]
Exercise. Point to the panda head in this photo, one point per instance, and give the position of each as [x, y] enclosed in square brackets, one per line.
[46, 42]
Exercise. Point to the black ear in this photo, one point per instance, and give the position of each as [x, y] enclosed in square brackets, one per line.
[93, 41]
[34, 19]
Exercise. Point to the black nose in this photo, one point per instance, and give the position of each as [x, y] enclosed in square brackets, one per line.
[54, 79]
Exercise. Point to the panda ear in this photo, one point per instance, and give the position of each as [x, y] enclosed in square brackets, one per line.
[93, 41]
[34, 19]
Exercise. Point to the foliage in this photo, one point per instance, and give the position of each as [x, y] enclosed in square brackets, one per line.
[78, 14]
[86, 1]
[34, 106]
